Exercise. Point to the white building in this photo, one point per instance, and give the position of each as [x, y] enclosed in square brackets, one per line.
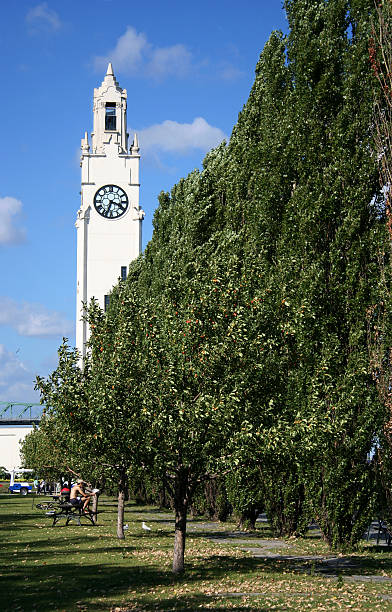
[109, 220]
[10, 438]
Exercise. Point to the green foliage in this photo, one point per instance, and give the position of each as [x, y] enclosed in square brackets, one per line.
[4, 474]
[210, 499]
[41, 452]
[244, 491]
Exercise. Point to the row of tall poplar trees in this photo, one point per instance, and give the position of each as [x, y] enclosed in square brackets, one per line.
[237, 348]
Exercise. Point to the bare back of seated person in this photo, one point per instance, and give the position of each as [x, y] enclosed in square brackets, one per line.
[79, 498]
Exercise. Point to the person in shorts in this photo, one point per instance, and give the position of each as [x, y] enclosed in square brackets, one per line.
[79, 498]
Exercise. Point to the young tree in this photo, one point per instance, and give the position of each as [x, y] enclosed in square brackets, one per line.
[116, 386]
[196, 347]
[67, 439]
[43, 453]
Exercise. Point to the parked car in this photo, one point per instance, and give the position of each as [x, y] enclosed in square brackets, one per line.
[19, 487]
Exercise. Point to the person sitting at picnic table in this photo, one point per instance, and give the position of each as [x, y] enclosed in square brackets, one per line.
[79, 498]
[65, 491]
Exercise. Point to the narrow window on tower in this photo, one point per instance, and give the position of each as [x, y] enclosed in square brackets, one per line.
[110, 116]
[123, 272]
[106, 302]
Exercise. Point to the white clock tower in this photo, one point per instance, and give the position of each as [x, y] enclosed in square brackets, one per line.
[109, 220]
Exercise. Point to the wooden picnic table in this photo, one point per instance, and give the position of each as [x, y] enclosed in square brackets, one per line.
[70, 513]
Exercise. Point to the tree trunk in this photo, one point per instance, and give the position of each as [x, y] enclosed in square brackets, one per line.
[248, 519]
[95, 508]
[181, 509]
[122, 485]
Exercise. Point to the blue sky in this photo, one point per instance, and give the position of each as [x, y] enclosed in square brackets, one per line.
[188, 68]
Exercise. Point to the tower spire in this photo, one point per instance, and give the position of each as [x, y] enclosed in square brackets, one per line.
[110, 109]
[85, 145]
[135, 145]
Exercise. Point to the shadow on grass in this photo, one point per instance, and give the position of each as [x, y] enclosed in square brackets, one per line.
[378, 548]
[33, 554]
[67, 584]
[41, 521]
[12, 519]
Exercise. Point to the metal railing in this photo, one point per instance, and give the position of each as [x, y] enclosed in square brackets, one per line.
[20, 412]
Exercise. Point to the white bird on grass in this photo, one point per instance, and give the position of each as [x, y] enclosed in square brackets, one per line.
[125, 527]
[145, 527]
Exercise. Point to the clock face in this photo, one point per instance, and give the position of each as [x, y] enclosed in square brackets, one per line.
[111, 201]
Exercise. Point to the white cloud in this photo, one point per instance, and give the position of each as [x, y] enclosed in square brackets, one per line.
[10, 232]
[33, 319]
[230, 73]
[181, 138]
[16, 380]
[128, 54]
[42, 15]
[170, 60]
[134, 54]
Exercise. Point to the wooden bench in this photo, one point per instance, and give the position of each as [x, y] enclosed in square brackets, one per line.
[70, 513]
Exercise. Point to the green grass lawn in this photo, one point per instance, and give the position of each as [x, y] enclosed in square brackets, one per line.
[86, 568]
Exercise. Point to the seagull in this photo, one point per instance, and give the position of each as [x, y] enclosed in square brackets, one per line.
[145, 527]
